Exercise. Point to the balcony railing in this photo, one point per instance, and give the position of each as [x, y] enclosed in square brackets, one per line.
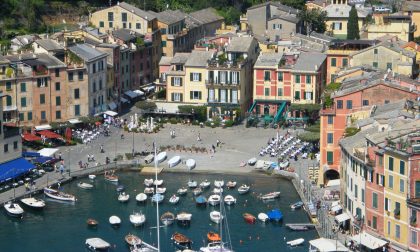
[328, 111]
[209, 100]
[217, 82]
[11, 131]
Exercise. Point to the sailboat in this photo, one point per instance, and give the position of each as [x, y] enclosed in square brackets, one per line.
[219, 246]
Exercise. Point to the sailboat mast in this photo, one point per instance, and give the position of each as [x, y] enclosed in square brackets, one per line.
[157, 203]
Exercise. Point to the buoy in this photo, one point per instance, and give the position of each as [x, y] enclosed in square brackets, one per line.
[250, 238]
[284, 238]
[240, 241]
[258, 237]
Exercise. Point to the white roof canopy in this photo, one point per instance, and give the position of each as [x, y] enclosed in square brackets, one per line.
[369, 241]
[131, 94]
[110, 113]
[43, 127]
[327, 245]
[74, 121]
[47, 152]
[334, 182]
[342, 217]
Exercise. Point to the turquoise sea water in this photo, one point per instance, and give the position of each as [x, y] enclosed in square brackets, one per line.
[61, 227]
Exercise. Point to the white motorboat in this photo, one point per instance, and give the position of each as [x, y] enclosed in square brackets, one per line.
[114, 220]
[174, 161]
[190, 163]
[148, 182]
[13, 209]
[149, 190]
[158, 182]
[296, 242]
[161, 190]
[219, 183]
[215, 247]
[229, 200]
[149, 158]
[192, 184]
[167, 218]
[284, 164]
[33, 202]
[263, 217]
[215, 216]
[270, 196]
[86, 186]
[252, 161]
[205, 184]
[92, 176]
[182, 191]
[161, 157]
[141, 197]
[197, 191]
[97, 244]
[58, 195]
[174, 199]
[214, 199]
[217, 190]
[184, 218]
[123, 197]
[158, 198]
[263, 165]
[243, 189]
[137, 219]
[231, 184]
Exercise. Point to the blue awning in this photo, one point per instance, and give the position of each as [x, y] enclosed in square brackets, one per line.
[42, 160]
[30, 154]
[14, 168]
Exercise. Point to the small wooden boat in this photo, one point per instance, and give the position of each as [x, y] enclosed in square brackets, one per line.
[215, 216]
[263, 217]
[149, 190]
[219, 183]
[157, 198]
[297, 205]
[182, 191]
[190, 163]
[296, 242]
[192, 184]
[110, 176]
[161, 157]
[137, 218]
[33, 202]
[86, 186]
[132, 240]
[213, 237]
[201, 200]
[123, 197]
[174, 161]
[148, 182]
[161, 190]
[181, 241]
[174, 199]
[97, 244]
[167, 218]
[92, 176]
[149, 158]
[270, 196]
[214, 200]
[252, 161]
[197, 191]
[229, 200]
[158, 182]
[55, 194]
[243, 189]
[13, 209]
[114, 220]
[184, 218]
[249, 218]
[205, 184]
[231, 184]
[141, 197]
[92, 222]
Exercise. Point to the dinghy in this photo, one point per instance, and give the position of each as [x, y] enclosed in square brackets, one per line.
[123, 197]
[174, 199]
[252, 161]
[192, 184]
[181, 241]
[197, 191]
[161, 190]
[213, 237]
[182, 191]
[86, 186]
[92, 222]
[190, 163]
[215, 216]
[231, 184]
[229, 200]
[263, 217]
[167, 218]
[157, 198]
[114, 220]
[132, 240]
[158, 182]
[161, 157]
[33, 202]
[148, 182]
[205, 184]
[214, 199]
[275, 215]
[243, 189]
[110, 176]
[249, 218]
[141, 197]
[184, 218]
[137, 218]
[174, 161]
[219, 183]
[97, 244]
[297, 205]
[296, 242]
[13, 209]
[217, 190]
[201, 200]
[92, 176]
[149, 158]
[149, 190]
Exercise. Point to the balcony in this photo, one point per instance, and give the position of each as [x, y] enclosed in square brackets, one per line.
[213, 82]
[227, 64]
[11, 131]
[222, 103]
[327, 111]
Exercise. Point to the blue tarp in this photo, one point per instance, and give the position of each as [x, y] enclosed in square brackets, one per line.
[42, 160]
[14, 168]
[275, 214]
[30, 154]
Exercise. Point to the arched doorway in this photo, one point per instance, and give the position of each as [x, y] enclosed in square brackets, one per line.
[330, 175]
[266, 109]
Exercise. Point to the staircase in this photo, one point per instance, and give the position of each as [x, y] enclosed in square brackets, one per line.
[252, 107]
[279, 113]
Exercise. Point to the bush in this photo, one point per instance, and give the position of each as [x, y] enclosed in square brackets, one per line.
[173, 121]
[333, 86]
[350, 131]
[229, 123]
[200, 112]
[146, 105]
[161, 94]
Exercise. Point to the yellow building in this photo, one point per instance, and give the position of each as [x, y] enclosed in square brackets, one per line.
[396, 220]
[412, 8]
[415, 48]
[196, 75]
[174, 76]
[394, 25]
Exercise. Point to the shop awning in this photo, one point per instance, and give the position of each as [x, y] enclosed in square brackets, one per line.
[131, 94]
[110, 113]
[75, 121]
[123, 100]
[47, 152]
[342, 217]
[334, 182]
[42, 160]
[369, 241]
[50, 134]
[112, 106]
[30, 154]
[336, 208]
[43, 127]
[327, 245]
[14, 168]
[30, 138]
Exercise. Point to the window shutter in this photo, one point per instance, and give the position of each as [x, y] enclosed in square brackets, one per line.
[199, 95]
[220, 98]
[312, 95]
[218, 75]
[230, 77]
[191, 76]
[199, 77]
[172, 97]
[180, 97]
[230, 95]
[172, 81]
[191, 95]
[237, 78]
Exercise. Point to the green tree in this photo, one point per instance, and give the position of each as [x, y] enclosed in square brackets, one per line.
[353, 25]
[297, 4]
[314, 20]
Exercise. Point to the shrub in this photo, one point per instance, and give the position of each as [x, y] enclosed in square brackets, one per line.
[229, 123]
[200, 112]
[350, 131]
[173, 121]
[146, 105]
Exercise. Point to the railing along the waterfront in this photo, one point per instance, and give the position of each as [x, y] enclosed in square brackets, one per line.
[102, 168]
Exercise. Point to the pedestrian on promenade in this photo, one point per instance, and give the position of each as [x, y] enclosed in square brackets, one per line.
[214, 148]
[217, 142]
[198, 137]
[61, 169]
[59, 156]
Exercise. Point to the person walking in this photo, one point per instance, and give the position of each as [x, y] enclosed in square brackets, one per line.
[217, 142]
[59, 156]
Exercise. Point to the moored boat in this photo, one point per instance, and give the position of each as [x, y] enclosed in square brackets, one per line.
[296, 242]
[205, 184]
[297, 205]
[157, 198]
[123, 197]
[110, 176]
[263, 217]
[174, 161]
[158, 182]
[181, 241]
[219, 183]
[182, 191]
[92, 222]
[148, 182]
[197, 191]
[174, 199]
[214, 199]
[190, 163]
[249, 218]
[33, 202]
[114, 220]
[192, 183]
[201, 200]
[137, 218]
[161, 190]
[97, 244]
[217, 190]
[167, 218]
[275, 215]
[132, 240]
[270, 196]
[13, 209]
[55, 194]
[141, 197]
[215, 216]
[160, 157]
[184, 218]
[231, 184]
[149, 190]
[243, 189]
[229, 200]
[213, 237]
[92, 176]
[86, 186]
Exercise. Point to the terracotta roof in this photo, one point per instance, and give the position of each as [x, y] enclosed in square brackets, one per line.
[413, 45]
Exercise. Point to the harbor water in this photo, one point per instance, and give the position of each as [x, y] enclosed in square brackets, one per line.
[62, 227]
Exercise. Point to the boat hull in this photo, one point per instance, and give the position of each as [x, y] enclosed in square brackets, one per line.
[33, 203]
